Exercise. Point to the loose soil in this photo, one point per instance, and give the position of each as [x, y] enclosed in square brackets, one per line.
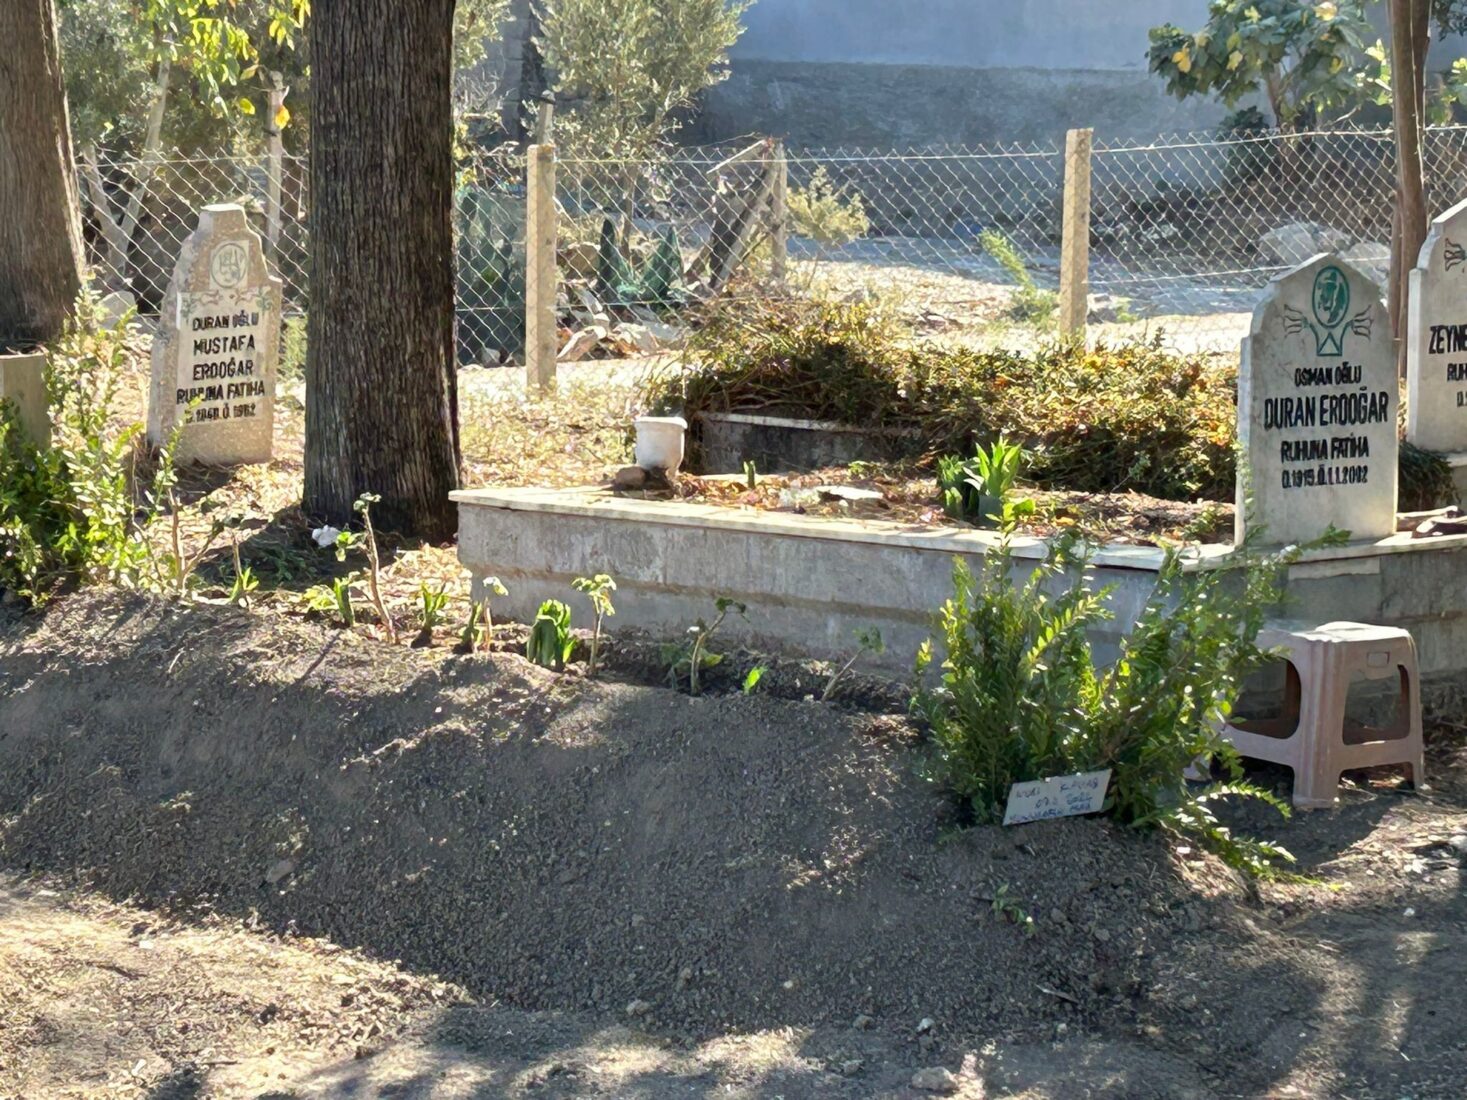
[909, 496]
[463, 875]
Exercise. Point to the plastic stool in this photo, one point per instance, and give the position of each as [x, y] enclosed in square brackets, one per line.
[1312, 735]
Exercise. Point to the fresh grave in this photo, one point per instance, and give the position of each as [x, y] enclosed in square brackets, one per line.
[217, 348]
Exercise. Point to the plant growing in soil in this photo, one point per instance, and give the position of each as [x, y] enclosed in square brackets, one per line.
[336, 597]
[245, 580]
[478, 632]
[691, 657]
[550, 642]
[1008, 907]
[980, 489]
[431, 605]
[1020, 697]
[868, 640]
[374, 564]
[752, 678]
[1029, 304]
[598, 590]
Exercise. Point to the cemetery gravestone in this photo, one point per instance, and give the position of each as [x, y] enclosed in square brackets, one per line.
[1436, 331]
[1317, 404]
[215, 354]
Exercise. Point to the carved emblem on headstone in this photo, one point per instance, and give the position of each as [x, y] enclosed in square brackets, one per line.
[1331, 309]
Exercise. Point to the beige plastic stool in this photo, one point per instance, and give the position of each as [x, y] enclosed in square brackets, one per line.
[1312, 735]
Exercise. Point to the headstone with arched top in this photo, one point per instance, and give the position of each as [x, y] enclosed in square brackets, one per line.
[1317, 402]
[218, 341]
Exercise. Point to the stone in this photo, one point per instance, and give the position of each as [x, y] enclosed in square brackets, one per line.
[278, 870]
[1299, 241]
[1317, 401]
[935, 1079]
[218, 345]
[863, 1022]
[1458, 844]
[23, 385]
[1436, 337]
[638, 1008]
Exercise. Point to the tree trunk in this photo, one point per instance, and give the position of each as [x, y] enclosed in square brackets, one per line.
[381, 393]
[41, 252]
[1410, 37]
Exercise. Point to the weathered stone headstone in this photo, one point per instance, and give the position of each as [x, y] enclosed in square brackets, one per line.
[218, 341]
[1317, 402]
[23, 385]
[1436, 334]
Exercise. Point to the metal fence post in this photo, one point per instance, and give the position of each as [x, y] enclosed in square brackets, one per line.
[1074, 283]
[779, 206]
[540, 338]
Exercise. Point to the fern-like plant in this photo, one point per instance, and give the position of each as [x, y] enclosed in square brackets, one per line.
[1020, 696]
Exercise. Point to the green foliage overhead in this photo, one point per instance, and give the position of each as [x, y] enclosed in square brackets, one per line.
[625, 68]
[1305, 58]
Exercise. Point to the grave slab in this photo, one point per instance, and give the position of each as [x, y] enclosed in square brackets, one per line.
[1317, 404]
[1436, 334]
[217, 347]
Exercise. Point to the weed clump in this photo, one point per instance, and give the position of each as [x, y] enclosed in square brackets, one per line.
[1127, 417]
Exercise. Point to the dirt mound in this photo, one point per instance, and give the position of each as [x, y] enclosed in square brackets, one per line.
[700, 869]
[730, 861]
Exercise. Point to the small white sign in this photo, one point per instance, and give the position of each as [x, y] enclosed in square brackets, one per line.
[1062, 796]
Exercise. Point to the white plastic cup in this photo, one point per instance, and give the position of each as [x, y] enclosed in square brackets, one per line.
[660, 442]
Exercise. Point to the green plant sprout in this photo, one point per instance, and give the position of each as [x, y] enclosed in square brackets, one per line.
[431, 605]
[550, 641]
[245, 580]
[980, 489]
[751, 476]
[868, 640]
[752, 678]
[598, 590]
[1030, 304]
[1008, 907]
[692, 657]
[336, 597]
[478, 632]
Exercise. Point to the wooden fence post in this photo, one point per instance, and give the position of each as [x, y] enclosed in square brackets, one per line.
[540, 271]
[779, 209]
[1074, 284]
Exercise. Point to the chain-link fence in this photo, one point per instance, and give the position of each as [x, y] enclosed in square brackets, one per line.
[965, 242]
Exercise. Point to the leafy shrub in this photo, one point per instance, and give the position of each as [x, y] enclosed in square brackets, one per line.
[1020, 697]
[1029, 304]
[829, 215]
[1132, 416]
[68, 513]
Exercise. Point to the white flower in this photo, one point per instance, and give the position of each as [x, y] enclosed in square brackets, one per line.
[325, 536]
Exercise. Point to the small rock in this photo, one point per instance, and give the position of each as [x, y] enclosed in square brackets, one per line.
[685, 975]
[639, 1007]
[935, 1079]
[852, 1067]
[863, 1022]
[788, 984]
[1410, 912]
[637, 920]
[1057, 916]
[926, 1025]
[1458, 844]
[1102, 936]
[1061, 1029]
[278, 870]
[628, 478]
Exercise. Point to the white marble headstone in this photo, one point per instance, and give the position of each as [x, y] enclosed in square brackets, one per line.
[1317, 403]
[217, 346]
[1436, 334]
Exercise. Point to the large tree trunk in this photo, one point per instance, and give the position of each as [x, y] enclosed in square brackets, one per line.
[1410, 37]
[381, 392]
[41, 253]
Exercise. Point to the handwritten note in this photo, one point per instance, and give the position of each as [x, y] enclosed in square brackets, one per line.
[1062, 796]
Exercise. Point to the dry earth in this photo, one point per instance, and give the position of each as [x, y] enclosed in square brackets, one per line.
[250, 856]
